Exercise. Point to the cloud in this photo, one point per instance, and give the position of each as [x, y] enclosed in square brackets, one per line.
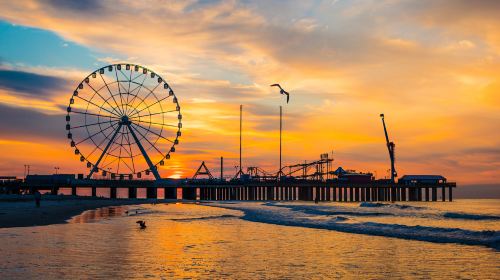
[31, 84]
[87, 7]
[28, 125]
[431, 66]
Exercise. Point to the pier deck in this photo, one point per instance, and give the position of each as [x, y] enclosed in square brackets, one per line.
[265, 191]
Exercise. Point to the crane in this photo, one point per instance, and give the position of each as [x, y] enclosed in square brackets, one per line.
[390, 148]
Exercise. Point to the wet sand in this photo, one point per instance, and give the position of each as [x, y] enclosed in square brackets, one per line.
[20, 211]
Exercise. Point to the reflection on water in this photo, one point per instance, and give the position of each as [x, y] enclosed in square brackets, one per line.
[99, 214]
[195, 241]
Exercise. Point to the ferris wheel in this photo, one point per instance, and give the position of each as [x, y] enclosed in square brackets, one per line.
[123, 120]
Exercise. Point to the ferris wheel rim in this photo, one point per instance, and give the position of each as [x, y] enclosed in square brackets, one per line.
[113, 113]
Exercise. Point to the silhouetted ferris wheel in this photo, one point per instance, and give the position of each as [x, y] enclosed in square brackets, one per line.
[123, 119]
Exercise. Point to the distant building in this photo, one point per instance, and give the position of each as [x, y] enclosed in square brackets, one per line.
[421, 179]
[352, 176]
[50, 179]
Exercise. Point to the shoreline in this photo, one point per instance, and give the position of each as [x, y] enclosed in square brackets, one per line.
[20, 210]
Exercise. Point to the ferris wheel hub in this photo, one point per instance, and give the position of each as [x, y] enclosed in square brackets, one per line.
[125, 120]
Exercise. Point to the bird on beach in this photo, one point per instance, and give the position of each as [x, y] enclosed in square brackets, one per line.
[142, 224]
[282, 91]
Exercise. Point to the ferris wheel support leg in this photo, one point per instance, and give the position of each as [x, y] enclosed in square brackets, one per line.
[144, 154]
[104, 151]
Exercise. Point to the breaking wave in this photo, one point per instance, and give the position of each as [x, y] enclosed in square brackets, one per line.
[398, 206]
[297, 216]
[204, 218]
[465, 216]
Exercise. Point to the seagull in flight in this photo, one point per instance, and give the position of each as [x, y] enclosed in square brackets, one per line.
[282, 91]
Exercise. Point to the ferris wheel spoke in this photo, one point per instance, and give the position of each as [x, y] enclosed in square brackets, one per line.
[112, 96]
[120, 155]
[149, 106]
[106, 101]
[139, 87]
[106, 137]
[92, 124]
[128, 91]
[119, 91]
[145, 98]
[114, 147]
[105, 150]
[144, 137]
[131, 155]
[148, 115]
[100, 131]
[100, 107]
[109, 163]
[140, 75]
[92, 114]
[159, 135]
[122, 147]
[162, 124]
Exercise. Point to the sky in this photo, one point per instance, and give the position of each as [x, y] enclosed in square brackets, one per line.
[432, 67]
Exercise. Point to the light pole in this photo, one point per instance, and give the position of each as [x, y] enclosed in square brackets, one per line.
[26, 170]
[56, 169]
[283, 92]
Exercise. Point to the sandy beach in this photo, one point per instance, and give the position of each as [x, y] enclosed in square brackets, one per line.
[20, 210]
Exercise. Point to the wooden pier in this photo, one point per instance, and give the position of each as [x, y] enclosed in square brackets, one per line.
[266, 191]
[322, 192]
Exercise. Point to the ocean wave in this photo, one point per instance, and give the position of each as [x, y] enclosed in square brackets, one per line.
[466, 216]
[328, 210]
[398, 206]
[278, 216]
[204, 218]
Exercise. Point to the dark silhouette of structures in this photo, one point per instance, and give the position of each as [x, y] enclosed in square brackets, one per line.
[126, 124]
[38, 198]
[203, 170]
[240, 171]
[390, 148]
[282, 91]
[221, 169]
[280, 171]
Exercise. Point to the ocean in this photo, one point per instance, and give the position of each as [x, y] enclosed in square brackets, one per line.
[263, 240]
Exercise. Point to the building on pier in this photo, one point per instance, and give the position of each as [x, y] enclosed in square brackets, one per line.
[351, 176]
[410, 180]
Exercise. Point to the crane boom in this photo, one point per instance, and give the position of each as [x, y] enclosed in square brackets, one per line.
[390, 148]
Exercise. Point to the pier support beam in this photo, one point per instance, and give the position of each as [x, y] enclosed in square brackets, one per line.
[112, 192]
[94, 191]
[189, 193]
[151, 193]
[73, 190]
[132, 192]
[170, 192]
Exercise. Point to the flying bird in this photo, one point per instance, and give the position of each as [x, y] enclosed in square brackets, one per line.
[282, 91]
[142, 224]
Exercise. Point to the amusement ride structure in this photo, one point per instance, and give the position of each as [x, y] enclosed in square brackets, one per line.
[123, 120]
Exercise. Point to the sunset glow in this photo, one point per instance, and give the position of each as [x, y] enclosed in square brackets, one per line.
[432, 69]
